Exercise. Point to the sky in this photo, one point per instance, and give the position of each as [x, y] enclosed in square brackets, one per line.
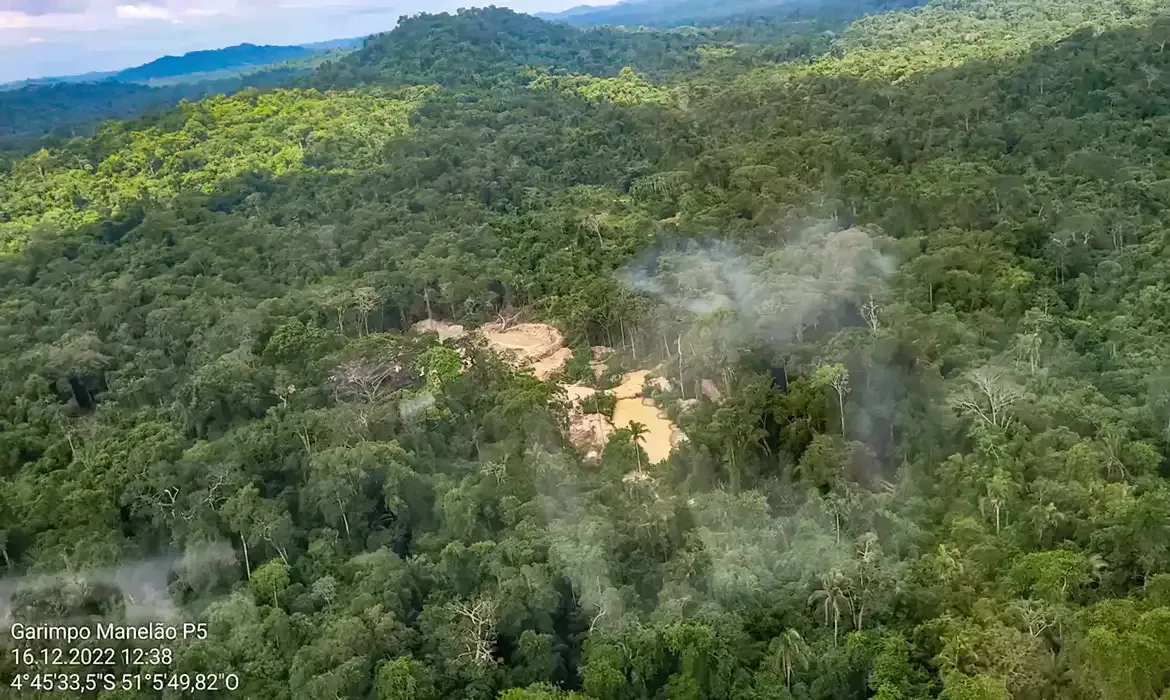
[66, 37]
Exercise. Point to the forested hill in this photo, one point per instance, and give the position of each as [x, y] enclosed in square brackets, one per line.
[213, 60]
[901, 289]
[74, 105]
[478, 47]
[33, 113]
[680, 13]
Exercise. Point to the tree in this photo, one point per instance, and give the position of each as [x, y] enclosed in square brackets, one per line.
[603, 674]
[440, 365]
[786, 652]
[989, 396]
[339, 479]
[368, 379]
[269, 580]
[1054, 576]
[258, 520]
[836, 377]
[871, 312]
[999, 489]
[1121, 653]
[365, 300]
[833, 601]
[403, 679]
[478, 628]
[637, 431]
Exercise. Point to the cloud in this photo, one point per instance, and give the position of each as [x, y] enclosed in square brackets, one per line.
[21, 21]
[135, 12]
[34, 40]
[44, 7]
[14, 20]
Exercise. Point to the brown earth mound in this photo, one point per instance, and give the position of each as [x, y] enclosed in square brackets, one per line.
[545, 368]
[590, 430]
[445, 330]
[578, 393]
[527, 342]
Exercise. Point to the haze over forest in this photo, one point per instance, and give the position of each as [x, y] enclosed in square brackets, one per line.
[796, 352]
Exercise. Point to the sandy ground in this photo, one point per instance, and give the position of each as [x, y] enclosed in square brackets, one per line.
[579, 392]
[527, 341]
[661, 434]
[658, 440]
[542, 347]
[546, 367]
[600, 355]
[446, 331]
[590, 430]
[632, 385]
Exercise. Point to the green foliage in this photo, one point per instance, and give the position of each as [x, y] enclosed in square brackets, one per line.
[681, 13]
[892, 46]
[482, 46]
[198, 148]
[626, 88]
[961, 687]
[1054, 576]
[270, 581]
[44, 111]
[440, 365]
[402, 679]
[538, 691]
[601, 402]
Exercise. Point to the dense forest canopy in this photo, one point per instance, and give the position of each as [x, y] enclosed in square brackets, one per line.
[474, 47]
[902, 288]
[682, 13]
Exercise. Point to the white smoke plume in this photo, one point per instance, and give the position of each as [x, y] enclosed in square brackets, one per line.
[143, 587]
[773, 295]
[732, 297]
[581, 537]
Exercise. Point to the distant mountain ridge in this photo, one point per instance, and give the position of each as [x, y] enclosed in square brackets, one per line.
[199, 63]
[331, 44]
[211, 60]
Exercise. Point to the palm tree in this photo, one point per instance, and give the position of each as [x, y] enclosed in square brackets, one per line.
[999, 487]
[786, 651]
[833, 601]
[637, 430]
